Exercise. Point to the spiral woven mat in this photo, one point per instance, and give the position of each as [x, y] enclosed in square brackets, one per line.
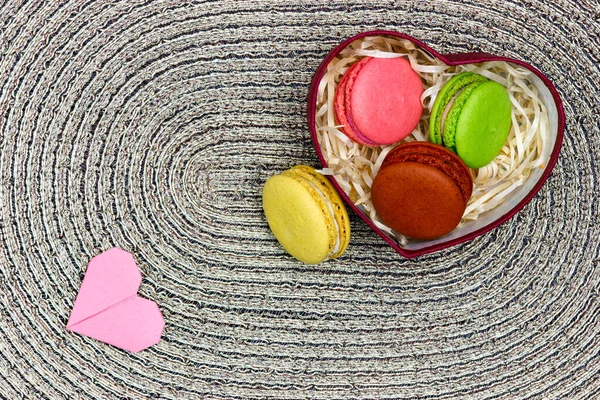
[152, 126]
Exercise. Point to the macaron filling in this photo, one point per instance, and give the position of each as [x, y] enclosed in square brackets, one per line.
[362, 139]
[446, 112]
[340, 226]
[337, 235]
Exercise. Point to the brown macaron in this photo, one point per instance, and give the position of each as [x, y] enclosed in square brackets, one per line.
[421, 190]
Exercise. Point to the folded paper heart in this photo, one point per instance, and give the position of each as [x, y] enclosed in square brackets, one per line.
[108, 308]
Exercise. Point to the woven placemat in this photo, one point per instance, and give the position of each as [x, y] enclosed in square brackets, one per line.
[152, 126]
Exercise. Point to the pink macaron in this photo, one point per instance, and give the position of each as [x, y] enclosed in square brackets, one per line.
[378, 101]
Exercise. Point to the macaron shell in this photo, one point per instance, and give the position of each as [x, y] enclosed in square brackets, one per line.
[296, 219]
[340, 212]
[483, 124]
[436, 156]
[340, 108]
[417, 200]
[451, 122]
[444, 97]
[383, 101]
[322, 206]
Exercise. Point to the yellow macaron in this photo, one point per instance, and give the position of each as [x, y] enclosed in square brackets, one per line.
[306, 214]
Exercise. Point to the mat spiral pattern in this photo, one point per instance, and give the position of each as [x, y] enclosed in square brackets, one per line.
[152, 126]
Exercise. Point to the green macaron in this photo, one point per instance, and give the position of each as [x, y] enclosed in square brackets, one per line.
[472, 117]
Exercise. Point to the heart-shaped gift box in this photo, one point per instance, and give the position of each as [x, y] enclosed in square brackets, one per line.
[489, 220]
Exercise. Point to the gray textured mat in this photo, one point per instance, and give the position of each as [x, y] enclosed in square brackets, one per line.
[152, 126]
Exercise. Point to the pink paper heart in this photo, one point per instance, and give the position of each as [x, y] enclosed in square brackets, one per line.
[512, 205]
[108, 308]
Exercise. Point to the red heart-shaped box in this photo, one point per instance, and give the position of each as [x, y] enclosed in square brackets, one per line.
[491, 219]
